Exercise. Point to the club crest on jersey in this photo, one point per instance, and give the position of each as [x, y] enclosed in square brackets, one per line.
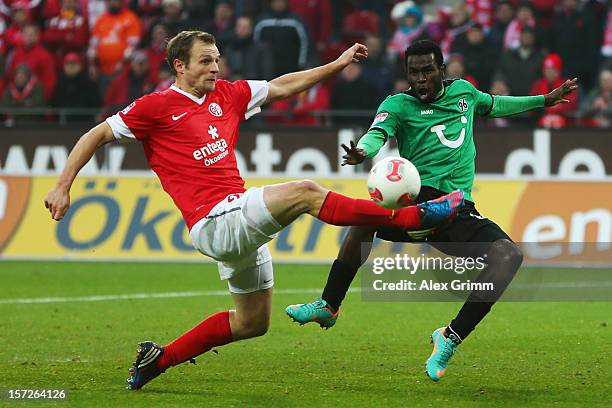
[463, 105]
[380, 117]
[215, 110]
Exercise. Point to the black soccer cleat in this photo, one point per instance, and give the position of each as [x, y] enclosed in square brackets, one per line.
[145, 368]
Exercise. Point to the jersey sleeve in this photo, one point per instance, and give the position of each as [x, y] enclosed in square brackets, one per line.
[249, 96]
[387, 119]
[134, 121]
[483, 102]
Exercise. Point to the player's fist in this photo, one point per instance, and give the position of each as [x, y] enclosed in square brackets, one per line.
[356, 53]
[57, 202]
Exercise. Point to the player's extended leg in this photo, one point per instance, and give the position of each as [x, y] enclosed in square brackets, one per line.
[504, 258]
[250, 318]
[287, 201]
[353, 253]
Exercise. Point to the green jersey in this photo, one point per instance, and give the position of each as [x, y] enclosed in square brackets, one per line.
[437, 137]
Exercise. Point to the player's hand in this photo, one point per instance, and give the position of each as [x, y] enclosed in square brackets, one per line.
[558, 95]
[356, 53]
[57, 202]
[354, 155]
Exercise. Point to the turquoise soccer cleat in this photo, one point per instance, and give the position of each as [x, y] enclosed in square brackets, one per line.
[443, 350]
[433, 212]
[318, 311]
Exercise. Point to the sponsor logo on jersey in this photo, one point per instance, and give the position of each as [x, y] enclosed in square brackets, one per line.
[380, 117]
[128, 108]
[215, 110]
[427, 112]
[217, 147]
[463, 105]
[177, 117]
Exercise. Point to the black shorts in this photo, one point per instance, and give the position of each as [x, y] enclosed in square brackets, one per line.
[467, 234]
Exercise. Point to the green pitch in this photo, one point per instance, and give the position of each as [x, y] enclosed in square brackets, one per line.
[524, 354]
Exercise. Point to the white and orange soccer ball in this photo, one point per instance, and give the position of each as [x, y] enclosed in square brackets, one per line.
[394, 182]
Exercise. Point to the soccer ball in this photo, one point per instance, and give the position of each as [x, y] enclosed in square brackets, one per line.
[394, 182]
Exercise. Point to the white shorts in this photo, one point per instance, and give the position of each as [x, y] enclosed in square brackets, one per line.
[235, 233]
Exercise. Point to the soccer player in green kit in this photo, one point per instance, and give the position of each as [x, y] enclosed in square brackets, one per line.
[433, 123]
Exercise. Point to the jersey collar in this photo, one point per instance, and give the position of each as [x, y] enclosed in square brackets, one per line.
[197, 100]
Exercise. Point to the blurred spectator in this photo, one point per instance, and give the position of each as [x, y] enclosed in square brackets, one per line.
[286, 36]
[165, 78]
[222, 24]
[479, 57]
[298, 109]
[558, 116]
[525, 17]
[459, 23]
[544, 10]
[353, 92]
[499, 87]
[113, 39]
[36, 57]
[400, 85]
[317, 15]
[481, 11]
[200, 10]
[569, 35]
[66, 32]
[20, 18]
[597, 106]
[131, 84]
[455, 68]
[375, 68]
[606, 47]
[247, 58]
[409, 20]
[156, 52]
[504, 13]
[2, 39]
[359, 23]
[148, 12]
[596, 14]
[95, 9]
[173, 17]
[225, 71]
[24, 91]
[521, 67]
[75, 89]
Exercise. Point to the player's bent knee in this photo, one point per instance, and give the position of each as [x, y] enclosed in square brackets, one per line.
[255, 327]
[307, 188]
[305, 194]
[506, 252]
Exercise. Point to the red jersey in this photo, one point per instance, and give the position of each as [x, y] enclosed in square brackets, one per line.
[189, 142]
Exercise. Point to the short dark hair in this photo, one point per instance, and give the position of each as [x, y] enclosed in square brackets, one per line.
[180, 46]
[424, 47]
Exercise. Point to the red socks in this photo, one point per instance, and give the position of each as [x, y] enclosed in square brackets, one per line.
[342, 210]
[213, 331]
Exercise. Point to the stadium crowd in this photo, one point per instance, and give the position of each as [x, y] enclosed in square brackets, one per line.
[102, 54]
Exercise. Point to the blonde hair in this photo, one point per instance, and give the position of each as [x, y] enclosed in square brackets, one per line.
[179, 47]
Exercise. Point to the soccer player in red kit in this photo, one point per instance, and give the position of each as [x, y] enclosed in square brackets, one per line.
[189, 133]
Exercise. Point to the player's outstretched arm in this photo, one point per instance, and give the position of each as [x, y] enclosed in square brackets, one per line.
[511, 105]
[58, 199]
[296, 82]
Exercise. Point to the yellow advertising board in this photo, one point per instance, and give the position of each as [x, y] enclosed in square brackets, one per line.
[132, 218]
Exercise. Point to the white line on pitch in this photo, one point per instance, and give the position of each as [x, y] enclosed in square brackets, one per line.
[129, 296]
